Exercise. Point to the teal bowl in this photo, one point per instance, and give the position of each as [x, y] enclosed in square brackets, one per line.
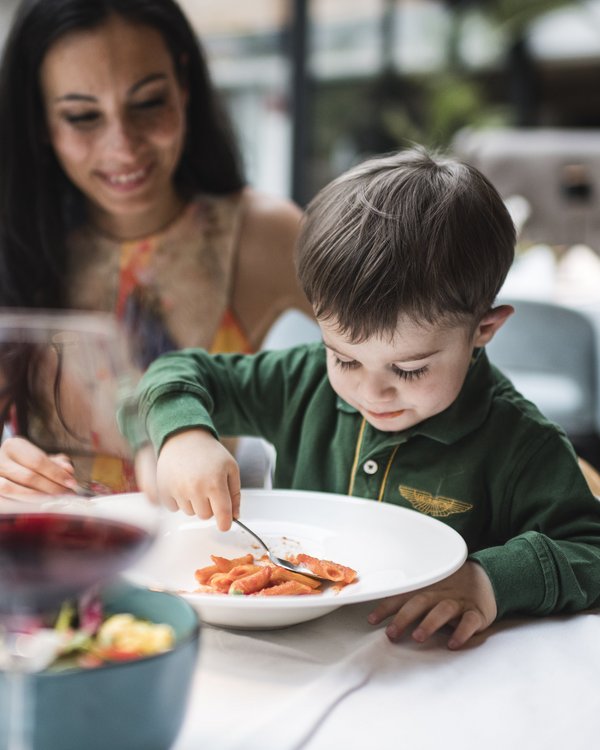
[135, 705]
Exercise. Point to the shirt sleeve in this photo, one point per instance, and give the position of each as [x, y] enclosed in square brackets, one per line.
[227, 394]
[549, 559]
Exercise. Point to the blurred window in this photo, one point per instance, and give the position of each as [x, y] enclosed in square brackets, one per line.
[244, 42]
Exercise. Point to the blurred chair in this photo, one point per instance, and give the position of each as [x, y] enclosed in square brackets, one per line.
[291, 329]
[256, 457]
[549, 352]
[557, 172]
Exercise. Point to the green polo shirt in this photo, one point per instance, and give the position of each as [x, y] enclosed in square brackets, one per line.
[490, 465]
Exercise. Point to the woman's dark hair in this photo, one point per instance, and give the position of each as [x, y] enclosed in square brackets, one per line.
[38, 203]
[412, 233]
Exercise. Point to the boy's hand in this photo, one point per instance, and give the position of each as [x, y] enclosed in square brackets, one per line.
[195, 473]
[25, 470]
[465, 599]
[145, 472]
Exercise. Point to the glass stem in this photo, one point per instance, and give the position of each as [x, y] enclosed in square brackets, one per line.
[20, 729]
[21, 698]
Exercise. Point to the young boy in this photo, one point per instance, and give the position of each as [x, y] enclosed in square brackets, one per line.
[402, 259]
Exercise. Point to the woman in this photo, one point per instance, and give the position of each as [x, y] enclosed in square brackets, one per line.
[121, 191]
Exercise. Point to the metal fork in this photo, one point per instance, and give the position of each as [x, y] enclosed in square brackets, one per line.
[279, 561]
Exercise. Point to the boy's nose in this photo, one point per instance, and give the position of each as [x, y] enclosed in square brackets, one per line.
[377, 390]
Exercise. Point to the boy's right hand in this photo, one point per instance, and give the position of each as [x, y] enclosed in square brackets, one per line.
[25, 470]
[196, 474]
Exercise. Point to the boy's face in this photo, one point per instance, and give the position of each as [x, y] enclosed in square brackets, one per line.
[398, 383]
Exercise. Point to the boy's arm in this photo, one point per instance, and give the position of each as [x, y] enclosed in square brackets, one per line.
[229, 394]
[550, 561]
[176, 401]
[187, 399]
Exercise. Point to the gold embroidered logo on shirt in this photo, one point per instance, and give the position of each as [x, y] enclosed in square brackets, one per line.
[437, 505]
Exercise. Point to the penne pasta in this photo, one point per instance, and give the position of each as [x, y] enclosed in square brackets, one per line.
[326, 568]
[247, 576]
[279, 575]
[220, 582]
[203, 575]
[243, 570]
[287, 588]
[223, 564]
[250, 584]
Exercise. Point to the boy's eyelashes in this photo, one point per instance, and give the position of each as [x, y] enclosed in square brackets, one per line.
[352, 364]
[410, 374]
[344, 364]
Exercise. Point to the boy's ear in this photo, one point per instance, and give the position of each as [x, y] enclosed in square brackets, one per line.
[490, 323]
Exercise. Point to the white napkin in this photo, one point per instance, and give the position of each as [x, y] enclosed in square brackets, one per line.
[527, 683]
[271, 689]
[299, 717]
[338, 682]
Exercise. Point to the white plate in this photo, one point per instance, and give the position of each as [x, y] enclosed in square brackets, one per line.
[393, 550]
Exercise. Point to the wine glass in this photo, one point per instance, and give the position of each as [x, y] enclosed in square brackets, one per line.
[63, 378]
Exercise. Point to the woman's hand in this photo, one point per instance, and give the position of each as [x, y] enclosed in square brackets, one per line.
[27, 470]
[465, 600]
[196, 474]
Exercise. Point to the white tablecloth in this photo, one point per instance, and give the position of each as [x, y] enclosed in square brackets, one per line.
[337, 682]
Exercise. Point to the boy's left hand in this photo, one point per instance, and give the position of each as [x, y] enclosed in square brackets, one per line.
[465, 599]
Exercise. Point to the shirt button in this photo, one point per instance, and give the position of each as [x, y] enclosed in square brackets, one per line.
[370, 467]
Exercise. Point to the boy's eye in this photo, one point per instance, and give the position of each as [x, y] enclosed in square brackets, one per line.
[346, 364]
[410, 374]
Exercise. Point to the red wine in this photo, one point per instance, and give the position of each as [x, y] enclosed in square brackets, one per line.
[48, 557]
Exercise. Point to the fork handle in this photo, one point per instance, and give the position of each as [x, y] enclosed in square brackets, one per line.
[258, 539]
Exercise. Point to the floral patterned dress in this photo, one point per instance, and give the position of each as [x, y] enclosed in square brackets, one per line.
[172, 290]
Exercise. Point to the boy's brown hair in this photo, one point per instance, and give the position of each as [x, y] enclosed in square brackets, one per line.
[412, 233]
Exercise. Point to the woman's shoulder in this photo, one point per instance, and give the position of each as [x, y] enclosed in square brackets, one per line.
[269, 217]
[268, 231]
[267, 236]
[265, 282]
[267, 204]
[264, 221]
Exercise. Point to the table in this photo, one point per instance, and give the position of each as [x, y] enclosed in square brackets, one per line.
[337, 682]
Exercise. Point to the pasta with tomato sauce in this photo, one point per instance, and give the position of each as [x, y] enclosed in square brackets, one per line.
[248, 576]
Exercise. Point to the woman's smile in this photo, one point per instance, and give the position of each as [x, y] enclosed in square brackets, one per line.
[126, 181]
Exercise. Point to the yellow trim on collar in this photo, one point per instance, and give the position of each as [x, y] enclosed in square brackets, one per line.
[387, 471]
[359, 440]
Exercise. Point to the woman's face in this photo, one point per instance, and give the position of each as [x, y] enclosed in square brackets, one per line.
[116, 118]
